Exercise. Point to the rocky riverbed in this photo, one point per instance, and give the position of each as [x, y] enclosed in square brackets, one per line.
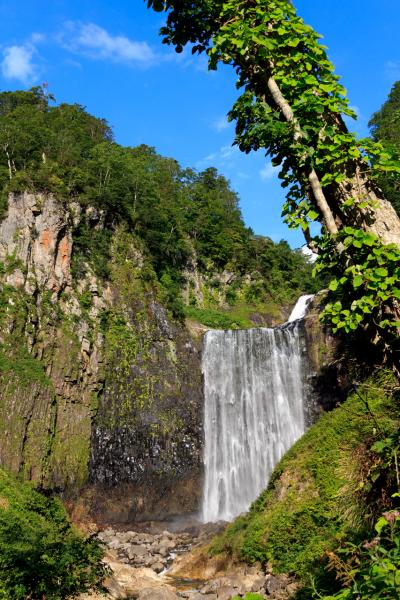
[152, 563]
[156, 551]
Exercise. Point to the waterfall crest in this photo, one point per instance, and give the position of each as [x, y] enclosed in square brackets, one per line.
[300, 308]
[253, 385]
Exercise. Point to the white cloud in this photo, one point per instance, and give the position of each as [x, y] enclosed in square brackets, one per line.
[97, 43]
[268, 172]
[18, 63]
[227, 152]
[392, 68]
[356, 109]
[224, 158]
[37, 38]
[220, 124]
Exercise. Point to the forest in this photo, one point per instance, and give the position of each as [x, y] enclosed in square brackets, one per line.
[178, 215]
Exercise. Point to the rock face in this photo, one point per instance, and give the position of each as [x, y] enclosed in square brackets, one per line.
[147, 433]
[100, 392]
[36, 233]
[48, 379]
[326, 380]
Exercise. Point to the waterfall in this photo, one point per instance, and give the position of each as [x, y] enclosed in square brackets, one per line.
[300, 308]
[253, 386]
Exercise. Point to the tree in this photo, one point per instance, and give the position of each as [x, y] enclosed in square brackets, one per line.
[292, 106]
[385, 128]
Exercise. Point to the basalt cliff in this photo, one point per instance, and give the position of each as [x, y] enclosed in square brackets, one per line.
[114, 405]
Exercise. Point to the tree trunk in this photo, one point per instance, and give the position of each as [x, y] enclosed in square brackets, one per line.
[380, 218]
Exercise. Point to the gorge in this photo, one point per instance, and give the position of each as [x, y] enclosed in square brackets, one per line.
[173, 424]
[104, 306]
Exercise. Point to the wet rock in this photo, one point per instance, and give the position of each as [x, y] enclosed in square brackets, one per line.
[158, 567]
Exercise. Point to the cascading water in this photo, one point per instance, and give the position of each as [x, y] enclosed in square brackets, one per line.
[253, 386]
[300, 307]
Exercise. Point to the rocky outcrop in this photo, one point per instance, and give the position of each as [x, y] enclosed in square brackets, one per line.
[326, 378]
[225, 289]
[147, 433]
[48, 377]
[37, 235]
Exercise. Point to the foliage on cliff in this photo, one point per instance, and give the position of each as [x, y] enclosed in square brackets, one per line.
[327, 491]
[385, 128]
[181, 218]
[41, 556]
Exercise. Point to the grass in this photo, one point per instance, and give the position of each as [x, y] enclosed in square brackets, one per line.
[23, 366]
[235, 317]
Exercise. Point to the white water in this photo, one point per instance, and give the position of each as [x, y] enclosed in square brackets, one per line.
[253, 385]
[300, 307]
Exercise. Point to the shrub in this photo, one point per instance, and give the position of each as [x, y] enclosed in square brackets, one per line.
[370, 570]
[41, 555]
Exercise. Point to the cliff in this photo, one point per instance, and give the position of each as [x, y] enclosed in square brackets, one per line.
[99, 387]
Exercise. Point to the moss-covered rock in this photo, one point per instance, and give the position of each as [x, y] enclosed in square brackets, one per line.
[147, 433]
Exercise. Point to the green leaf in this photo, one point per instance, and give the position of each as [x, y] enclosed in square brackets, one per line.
[381, 524]
[334, 284]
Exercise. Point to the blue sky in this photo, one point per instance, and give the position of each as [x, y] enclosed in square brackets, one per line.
[109, 58]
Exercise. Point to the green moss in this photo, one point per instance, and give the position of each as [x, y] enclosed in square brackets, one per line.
[23, 367]
[85, 300]
[70, 458]
[214, 318]
[305, 509]
[235, 317]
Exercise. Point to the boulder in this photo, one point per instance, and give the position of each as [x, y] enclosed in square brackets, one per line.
[136, 550]
[276, 583]
[225, 593]
[157, 567]
[258, 585]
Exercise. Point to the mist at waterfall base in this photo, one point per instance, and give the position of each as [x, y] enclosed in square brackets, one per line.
[254, 410]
